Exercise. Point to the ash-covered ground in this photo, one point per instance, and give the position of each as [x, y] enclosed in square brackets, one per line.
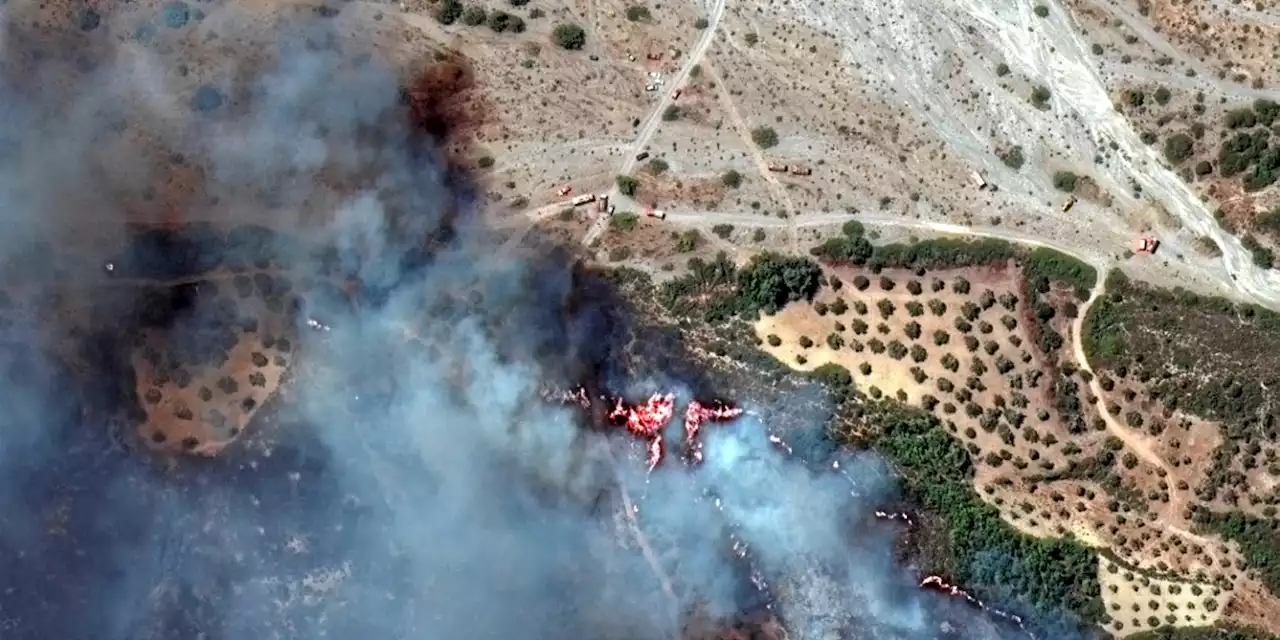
[405, 480]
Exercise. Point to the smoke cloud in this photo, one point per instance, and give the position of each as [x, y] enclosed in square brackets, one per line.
[406, 482]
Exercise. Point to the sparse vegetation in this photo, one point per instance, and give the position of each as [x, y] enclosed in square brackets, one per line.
[731, 179]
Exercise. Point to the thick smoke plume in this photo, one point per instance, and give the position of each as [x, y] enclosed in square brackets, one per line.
[407, 482]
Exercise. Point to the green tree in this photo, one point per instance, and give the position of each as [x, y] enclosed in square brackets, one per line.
[627, 185]
[772, 280]
[567, 36]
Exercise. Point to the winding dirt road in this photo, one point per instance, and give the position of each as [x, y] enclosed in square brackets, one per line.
[654, 120]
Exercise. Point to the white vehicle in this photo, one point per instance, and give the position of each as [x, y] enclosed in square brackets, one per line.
[651, 87]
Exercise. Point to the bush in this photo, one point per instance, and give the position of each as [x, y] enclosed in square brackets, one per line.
[758, 235]
[834, 341]
[1042, 11]
[774, 340]
[1162, 96]
[700, 24]
[1178, 147]
[638, 13]
[474, 16]
[688, 241]
[843, 249]
[1013, 158]
[751, 39]
[1065, 181]
[618, 254]
[627, 185]
[485, 162]
[860, 282]
[671, 113]
[722, 230]
[623, 222]
[731, 179]
[1002, 70]
[912, 329]
[657, 166]
[176, 15]
[1040, 97]
[567, 36]
[764, 137]
[805, 342]
[839, 307]
[449, 11]
[853, 229]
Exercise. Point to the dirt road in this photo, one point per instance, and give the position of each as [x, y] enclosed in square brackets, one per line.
[651, 124]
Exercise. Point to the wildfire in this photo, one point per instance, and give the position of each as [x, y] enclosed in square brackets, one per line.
[647, 419]
[695, 415]
[939, 584]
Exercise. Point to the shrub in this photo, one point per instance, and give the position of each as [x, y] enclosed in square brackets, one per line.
[1040, 96]
[657, 166]
[897, 350]
[914, 288]
[805, 342]
[1013, 158]
[731, 179]
[941, 337]
[627, 185]
[1002, 70]
[638, 13]
[623, 222]
[1042, 11]
[618, 254]
[886, 284]
[474, 16]
[915, 309]
[722, 230]
[751, 39]
[688, 241]
[701, 23]
[858, 326]
[839, 307]
[449, 11]
[912, 329]
[865, 369]
[774, 340]
[176, 15]
[938, 307]
[758, 235]
[875, 345]
[853, 229]
[764, 137]
[206, 99]
[834, 341]
[671, 113]
[1178, 147]
[568, 36]
[960, 286]
[1065, 181]
[886, 308]
[861, 282]
[485, 162]
[1162, 96]
[918, 353]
